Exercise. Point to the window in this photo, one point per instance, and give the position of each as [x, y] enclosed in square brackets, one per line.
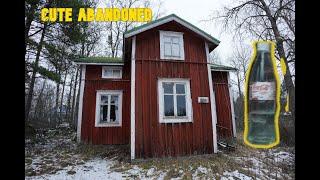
[171, 45]
[174, 101]
[108, 108]
[111, 72]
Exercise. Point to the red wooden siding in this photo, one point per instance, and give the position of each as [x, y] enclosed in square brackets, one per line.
[105, 135]
[154, 139]
[223, 107]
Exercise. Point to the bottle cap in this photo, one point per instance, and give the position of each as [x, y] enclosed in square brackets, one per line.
[263, 46]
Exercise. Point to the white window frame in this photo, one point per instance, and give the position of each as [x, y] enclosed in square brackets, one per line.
[181, 43]
[98, 99]
[111, 68]
[174, 119]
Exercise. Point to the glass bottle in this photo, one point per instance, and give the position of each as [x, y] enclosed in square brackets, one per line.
[262, 98]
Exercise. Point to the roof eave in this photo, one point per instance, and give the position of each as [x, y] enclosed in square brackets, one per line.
[109, 64]
[226, 70]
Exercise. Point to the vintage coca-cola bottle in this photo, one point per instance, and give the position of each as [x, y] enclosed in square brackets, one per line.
[261, 106]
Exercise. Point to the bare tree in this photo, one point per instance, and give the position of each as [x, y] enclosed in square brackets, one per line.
[267, 20]
[114, 30]
[239, 60]
[33, 77]
[215, 57]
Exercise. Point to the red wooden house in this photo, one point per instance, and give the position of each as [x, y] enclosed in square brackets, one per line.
[163, 97]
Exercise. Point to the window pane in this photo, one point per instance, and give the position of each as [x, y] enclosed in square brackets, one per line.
[181, 105]
[114, 113]
[108, 72]
[167, 49]
[180, 89]
[167, 39]
[104, 99]
[168, 88]
[116, 73]
[168, 105]
[103, 113]
[114, 99]
[175, 40]
[175, 50]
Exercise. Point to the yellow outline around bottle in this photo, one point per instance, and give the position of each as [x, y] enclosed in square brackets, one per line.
[277, 113]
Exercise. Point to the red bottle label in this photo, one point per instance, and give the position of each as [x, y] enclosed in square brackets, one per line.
[262, 91]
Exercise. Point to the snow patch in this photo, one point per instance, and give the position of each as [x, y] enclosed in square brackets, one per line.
[94, 169]
[135, 170]
[150, 172]
[283, 157]
[202, 170]
[236, 174]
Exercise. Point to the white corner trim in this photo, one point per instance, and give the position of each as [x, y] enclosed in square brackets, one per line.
[232, 108]
[212, 103]
[98, 101]
[133, 87]
[82, 82]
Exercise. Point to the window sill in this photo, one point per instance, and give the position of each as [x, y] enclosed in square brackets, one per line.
[108, 125]
[175, 120]
[111, 77]
[173, 58]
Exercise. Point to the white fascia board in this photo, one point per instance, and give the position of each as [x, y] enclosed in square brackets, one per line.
[212, 104]
[223, 70]
[102, 64]
[166, 21]
[82, 83]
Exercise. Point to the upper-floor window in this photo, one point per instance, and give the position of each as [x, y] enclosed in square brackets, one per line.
[113, 72]
[171, 45]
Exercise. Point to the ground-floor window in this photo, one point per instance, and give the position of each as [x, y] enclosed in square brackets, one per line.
[108, 108]
[174, 100]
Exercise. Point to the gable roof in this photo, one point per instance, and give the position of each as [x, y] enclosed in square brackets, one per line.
[99, 60]
[166, 19]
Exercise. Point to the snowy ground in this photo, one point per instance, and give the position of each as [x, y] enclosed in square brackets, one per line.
[55, 155]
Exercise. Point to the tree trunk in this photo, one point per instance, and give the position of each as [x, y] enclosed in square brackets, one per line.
[244, 70]
[74, 97]
[69, 100]
[78, 97]
[239, 85]
[111, 40]
[33, 77]
[280, 49]
[57, 102]
[39, 106]
[62, 93]
[30, 18]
